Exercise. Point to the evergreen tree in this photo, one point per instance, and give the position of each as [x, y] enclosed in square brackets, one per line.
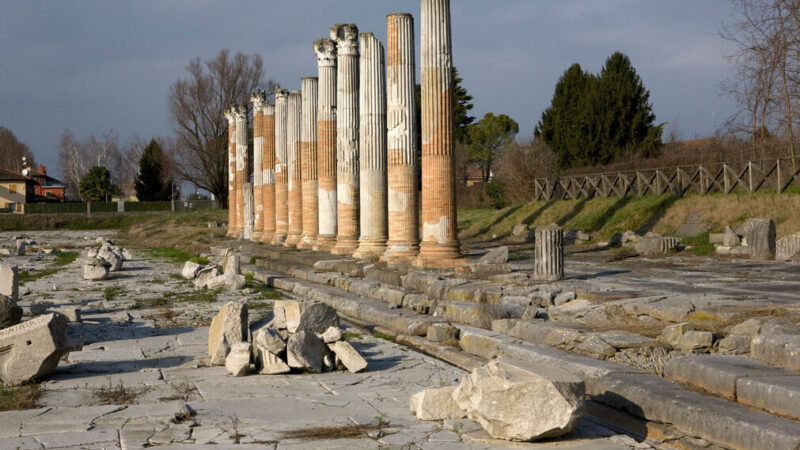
[150, 184]
[488, 137]
[96, 185]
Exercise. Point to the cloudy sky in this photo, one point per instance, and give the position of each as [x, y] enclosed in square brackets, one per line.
[96, 65]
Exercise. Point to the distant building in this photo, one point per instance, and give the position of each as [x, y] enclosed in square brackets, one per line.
[15, 191]
[47, 186]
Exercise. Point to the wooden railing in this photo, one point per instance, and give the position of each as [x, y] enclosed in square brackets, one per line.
[775, 174]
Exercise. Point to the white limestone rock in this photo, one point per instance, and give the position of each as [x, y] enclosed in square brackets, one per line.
[114, 260]
[436, 404]
[204, 276]
[95, 269]
[32, 348]
[269, 339]
[237, 363]
[229, 281]
[9, 281]
[332, 334]
[348, 356]
[522, 401]
[314, 317]
[228, 327]
[305, 351]
[190, 270]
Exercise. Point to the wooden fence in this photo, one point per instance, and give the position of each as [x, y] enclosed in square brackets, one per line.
[775, 174]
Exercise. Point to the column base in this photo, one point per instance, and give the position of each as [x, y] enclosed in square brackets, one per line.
[257, 236]
[307, 242]
[324, 243]
[292, 240]
[345, 245]
[278, 239]
[267, 237]
[435, 255]
[399, 252]
[370, 249]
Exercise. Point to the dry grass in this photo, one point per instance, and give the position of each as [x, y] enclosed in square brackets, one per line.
[15, 398]
[115, 395]
[340, 432]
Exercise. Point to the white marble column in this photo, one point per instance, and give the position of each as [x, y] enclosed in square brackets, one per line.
[281, 170]
[308, 166]
[268, 174]
[258, 99]
[325, 49]
[295, 183]
[231, 119]
[242, 166]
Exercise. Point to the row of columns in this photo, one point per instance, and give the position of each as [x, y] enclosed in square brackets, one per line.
[335, 163]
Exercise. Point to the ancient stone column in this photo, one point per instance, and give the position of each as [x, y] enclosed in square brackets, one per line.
[346, 36]
[403, 203]
[258, 99]
[308, 166]
[372, 149]
[268, 172]
[295, 186]
[231, 119]
[549, 263]
[325, 49]
[439, 246]
[249, 209]
[281, 174]
[242, 165]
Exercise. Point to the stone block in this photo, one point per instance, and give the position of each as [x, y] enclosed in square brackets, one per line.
[781, 350]
[204, 276]
[787, 247]
[228, 280]
[305, 351]
[696, 340]
[10, 312]
[734, 345]
[717, 374]
[621, 339]
[385, 276]
[269, 339]
[760, 235]
[716, 238]
[436, 404]
[520, 401]
[9, 281]
[731, 239]
[779, 325]
[656, 245]
[314, 317]
[564, 297]
[750, 327]
[228, 327]
[348, 356]
[776, 394]
[33, 348]
[111, 257]
[418, 280]
[343, 266]
[96, 269]
[442, 332]
[237, 363]
[596, 347]
[190, 270]
[498, 255]
[268, 363]
[332, 334]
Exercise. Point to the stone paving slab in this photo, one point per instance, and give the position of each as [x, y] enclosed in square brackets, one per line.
[780, 394]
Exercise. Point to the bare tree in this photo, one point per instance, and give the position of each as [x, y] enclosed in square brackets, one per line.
[12, 151]
[520, 164]
[77, 156]
[196, 106]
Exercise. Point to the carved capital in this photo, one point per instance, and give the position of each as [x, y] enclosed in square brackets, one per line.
[240, 112]
[346, 36]
[258, 99]
[229, 117]
[281, 94]
[325, 50]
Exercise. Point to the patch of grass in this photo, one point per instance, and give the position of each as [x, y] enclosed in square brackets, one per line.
[15, 398]
[183, 391]
[266, 291]
[168, 300]
[115, 395]
[65, 258]
[202, 260]
[112, 292]
[622, 255]
[699, 244]
[384, 336]
[349, 336]
[62, 259]
[172, 253]
[350, 431]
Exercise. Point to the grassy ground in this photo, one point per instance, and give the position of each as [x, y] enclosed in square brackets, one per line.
[62, 259]
[13, 398]
[603, 217]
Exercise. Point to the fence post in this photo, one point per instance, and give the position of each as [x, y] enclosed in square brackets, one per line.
[638, 183]
[779, 188]
[750, 176]
[726, 178]
[89, 208]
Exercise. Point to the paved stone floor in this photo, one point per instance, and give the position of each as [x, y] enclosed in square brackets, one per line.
[141, 378]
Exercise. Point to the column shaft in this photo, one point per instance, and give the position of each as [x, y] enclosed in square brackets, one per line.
[242, 165]
[281, 169]
[403, 202]
[549, 262]
[325, 50]
[230, 118]
[347, 129]
[372, 149]
[258, 100]
[268, 172]
[439, 246]
[295, 186]
[308, 166]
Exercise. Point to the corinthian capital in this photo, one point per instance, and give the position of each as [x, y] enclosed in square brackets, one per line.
[281, 93]
[346, 37]
[258, 99]
[240, 112]
[326, 52]
[229, 117]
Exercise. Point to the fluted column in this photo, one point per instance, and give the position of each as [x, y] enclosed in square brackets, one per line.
[549, 262]
[295, 186]
[372, 149]
[258, 99]
[281, 169]
[325, 49]
[268, 172]
[231, 119]
[242, 165]
[308, 166]
[347, 129]
[403, 202]
[439, 246]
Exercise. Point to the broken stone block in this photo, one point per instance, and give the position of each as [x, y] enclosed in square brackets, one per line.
[237, 363]
[442, 332]
[314, 317]
[95, 269]
[564, 297]
[436, 404]
[10, 313]
[230, 281]
[760, 235]
[521, 401]
[750, 327]
[305, 351]
[348, 356]
[596, 347]
[228, 327]
[777, 350]
[232, 265]
[779, 326]
[269, 339]
[21, 243]
[696, 340]
[9, 281]
[497, 255]
[267, 363]
[656, 245]
[204, 276]
[33, 348]
[332, 334]
[111, 257]
[734, 345]
[731, 239]
[190, 270]
[787, 247]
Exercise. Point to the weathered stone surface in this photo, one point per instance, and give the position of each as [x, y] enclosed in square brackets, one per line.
[716, 373]
[734, 345]
[716, 238]
[522, 233]
[625, 339]
[442, 332]
[549, 263]
[237, 363]
[268, 363]
[9, 281]
[95, 269]
[564, 297]
[760, 235]
[731, 239]
[228, 327]
[190, 270]
[497, 255]
[348, 356]
[10, 313]
[204, 276]
[522, 401]
[111, 257]
[332, 334]
[32, 348]
[305, 351]
[39, 308]
[777, 394]
[778, 326]
[787, 247]
[21, 243]
[780, 350]
[596, 347]
[268, 339]
[314, 317]
[684, 337]
[436, 404]
[656, 245]
[228, 280]
[750, 327]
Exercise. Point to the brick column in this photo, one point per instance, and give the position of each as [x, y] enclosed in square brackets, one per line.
[403, 202]
[230, 118]
[268, 172]
[372, 149]
[258, 99]
[325, 49]
[281, 158]
[439, 246]
[242, 165]
[295, 186]
[308, 166]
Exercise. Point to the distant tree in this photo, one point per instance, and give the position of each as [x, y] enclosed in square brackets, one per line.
[96, 185]
[488, 137]
[594, 119]
[77, 156]
[12, 151]
[150, 184]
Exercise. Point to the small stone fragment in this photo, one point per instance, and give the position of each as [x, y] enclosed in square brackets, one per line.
[237, 363]
[348, 356]
[190, 270]
[332, 334]
[204, 276]
[228, 327]
[267, 363]
[497, 255]
[436, 404]
[269, 339]
[305, 351]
